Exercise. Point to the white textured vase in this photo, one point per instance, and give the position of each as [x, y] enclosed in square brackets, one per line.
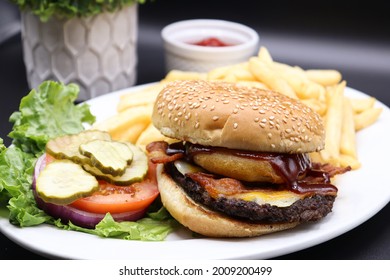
[98, 53]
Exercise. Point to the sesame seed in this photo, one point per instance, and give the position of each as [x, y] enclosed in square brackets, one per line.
[269, 135]
[235, 125]
[215, 118]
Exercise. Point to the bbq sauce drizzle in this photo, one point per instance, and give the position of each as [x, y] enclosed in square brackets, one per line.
[290, 167]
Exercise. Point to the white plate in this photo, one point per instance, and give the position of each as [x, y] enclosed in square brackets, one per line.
[354, 205]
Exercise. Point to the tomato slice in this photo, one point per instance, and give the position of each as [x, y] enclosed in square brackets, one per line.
[117, 199]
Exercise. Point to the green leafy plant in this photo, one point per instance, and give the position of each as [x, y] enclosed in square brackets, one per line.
[46, 9]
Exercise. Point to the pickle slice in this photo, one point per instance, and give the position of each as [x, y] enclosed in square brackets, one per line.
[67, 146]
[63, 181]
[110, 157]
[134, 172]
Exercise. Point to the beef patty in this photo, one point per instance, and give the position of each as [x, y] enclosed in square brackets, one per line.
[311, 208]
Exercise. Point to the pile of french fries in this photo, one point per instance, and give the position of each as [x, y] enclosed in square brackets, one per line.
[320, 89]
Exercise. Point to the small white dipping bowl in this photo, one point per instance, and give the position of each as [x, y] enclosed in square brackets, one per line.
[181, 52]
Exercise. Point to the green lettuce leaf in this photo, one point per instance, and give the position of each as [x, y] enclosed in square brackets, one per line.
[16, 173]
[48, 112]
[146, 229]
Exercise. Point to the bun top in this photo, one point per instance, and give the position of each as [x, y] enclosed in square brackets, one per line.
[237, 117]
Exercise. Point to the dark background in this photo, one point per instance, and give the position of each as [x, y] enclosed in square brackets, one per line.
[353, 39]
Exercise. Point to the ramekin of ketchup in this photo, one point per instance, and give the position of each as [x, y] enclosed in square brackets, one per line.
[201, 45]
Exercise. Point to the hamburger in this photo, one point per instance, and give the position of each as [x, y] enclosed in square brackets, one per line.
[238, 164]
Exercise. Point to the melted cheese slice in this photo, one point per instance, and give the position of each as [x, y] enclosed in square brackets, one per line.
[185, 167]
[276, 198]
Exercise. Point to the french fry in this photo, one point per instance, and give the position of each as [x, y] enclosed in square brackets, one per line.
[303, 87]
[132, 133]
[366, 118]
[333, 124]
[255, 84]
[242, 73]
[300, 83]
[264, 55]
[118, 125]
[362, 104]
[347, 160]
[184, 75]
[231, 73]
[218, 73]
[325, 77]
[268, 76]
[230, 77]
[316, 157]
[348, 135]
[144, 96]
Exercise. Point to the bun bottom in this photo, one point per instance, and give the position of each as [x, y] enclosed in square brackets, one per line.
[204, 221]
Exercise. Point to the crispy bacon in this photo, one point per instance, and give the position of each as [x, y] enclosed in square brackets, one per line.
[158, 153]
[319, 175]
[216, 187]
[331, 170]
[229, 186]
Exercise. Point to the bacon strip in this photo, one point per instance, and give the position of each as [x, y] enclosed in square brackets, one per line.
[216, 187]
[331, 170]
[157, 153]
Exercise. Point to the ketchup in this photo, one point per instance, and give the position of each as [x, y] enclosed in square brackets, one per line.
[211, 42]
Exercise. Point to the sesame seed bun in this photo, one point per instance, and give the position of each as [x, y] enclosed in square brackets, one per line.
[205, 221]
[237, 117]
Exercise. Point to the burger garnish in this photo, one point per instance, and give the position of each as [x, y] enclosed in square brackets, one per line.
[241, 166]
